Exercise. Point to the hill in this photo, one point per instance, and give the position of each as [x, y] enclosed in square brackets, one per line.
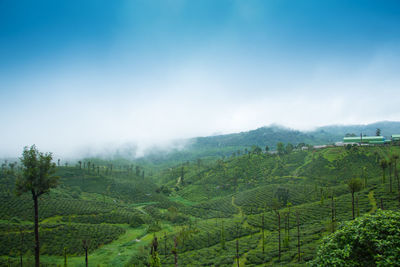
[251, 207]
[212, 147]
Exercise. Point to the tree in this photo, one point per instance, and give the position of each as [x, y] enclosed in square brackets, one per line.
[289, 148]
[175, 252]
[182, 175]
[266, 149]
[263, 236]
[256, 150]
[279, 234]
[282, 195]
[370, 240]
[378, 132]
[396, 174]
[390, 164]
[354, 185]
[280, 147]
[237, 243]
[364, 176]
[298, 236]
[276, 205]
[289, 204]
[37, 178]
[21, 233]
[222, 236]
[333, 212]
[383, 163]
[65, 257]
[85, 246]
[154, 258]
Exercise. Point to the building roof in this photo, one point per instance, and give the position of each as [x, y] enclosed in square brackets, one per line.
[357, 139]
[377, 142]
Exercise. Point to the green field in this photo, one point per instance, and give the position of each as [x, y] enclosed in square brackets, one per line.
[208, 207]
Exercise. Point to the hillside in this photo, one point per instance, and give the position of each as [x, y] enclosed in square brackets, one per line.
[212, 147]
[217, 211]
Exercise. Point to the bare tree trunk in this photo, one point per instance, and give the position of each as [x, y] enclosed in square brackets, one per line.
[390, 177]
[237, 251]
[37, 245]
[165, 244]
[333, 213]
[279, 236]
[175, 252]
[85, 245]
[263, 237]
[358, 210]
[65, 257]
[86, 257]
[22, 244]
[298, 237]
[396, 174]
[352, 203]
[288, 227]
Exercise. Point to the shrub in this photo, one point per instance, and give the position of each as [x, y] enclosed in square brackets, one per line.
[371, 240]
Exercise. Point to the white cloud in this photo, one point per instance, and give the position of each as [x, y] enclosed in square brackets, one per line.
[74, 108]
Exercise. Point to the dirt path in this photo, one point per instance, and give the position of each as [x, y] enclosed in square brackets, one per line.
[238, 207]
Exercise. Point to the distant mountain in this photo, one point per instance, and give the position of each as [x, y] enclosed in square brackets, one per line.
[260, 137]
[224, 145]
[338, 131]
[271, 135]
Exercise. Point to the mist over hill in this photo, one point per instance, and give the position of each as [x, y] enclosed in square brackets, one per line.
[225, 145]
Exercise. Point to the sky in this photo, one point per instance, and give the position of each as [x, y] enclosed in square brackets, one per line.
[88, 74]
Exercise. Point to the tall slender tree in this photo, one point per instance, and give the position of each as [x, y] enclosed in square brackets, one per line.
[279, 234]
[85, 245]
[390, 165]
[298, 236]
[175, 252]
[262, 229]
[333, 211]
[65, 257]
[383, 163]
[396, 174]
[21, 232]
[289, 204]
[354, 185]
[222, 235]
[237, 243]
[165, 244]
[154, 258]
[37, 178]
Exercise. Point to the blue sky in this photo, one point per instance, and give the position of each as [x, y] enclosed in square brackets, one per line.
[90, 73]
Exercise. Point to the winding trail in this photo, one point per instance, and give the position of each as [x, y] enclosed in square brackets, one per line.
[238, 207]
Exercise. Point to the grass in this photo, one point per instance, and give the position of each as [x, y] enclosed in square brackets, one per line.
[116, 253]
[309, 177]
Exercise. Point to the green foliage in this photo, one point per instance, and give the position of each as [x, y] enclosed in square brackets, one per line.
[37, 172]
[231, 191]
[354, 185]
[384, 164]
[371, 240]
[280, 147]
[55, 237]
